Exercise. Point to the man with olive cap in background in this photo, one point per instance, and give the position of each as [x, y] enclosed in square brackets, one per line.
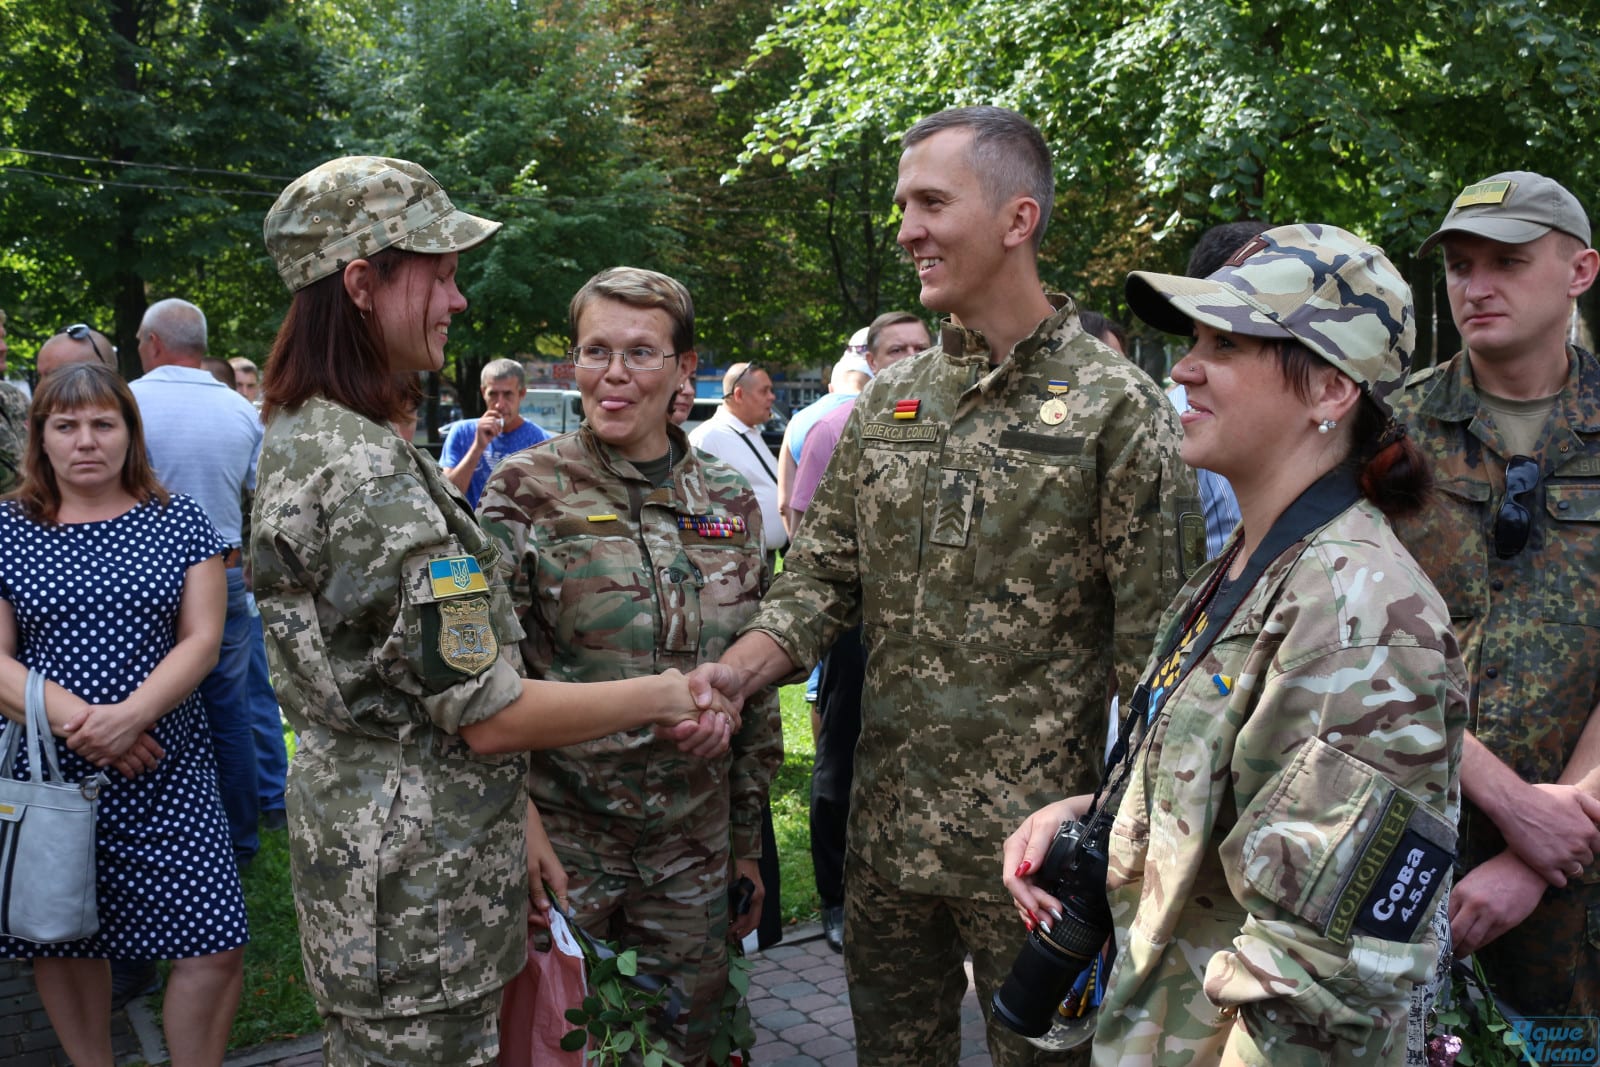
[1511, 538]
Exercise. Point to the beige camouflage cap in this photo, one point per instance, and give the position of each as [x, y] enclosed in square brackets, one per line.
[1514, 207]
[350, 208]
[1328, 289]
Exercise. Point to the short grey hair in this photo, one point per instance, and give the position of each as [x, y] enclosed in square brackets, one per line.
[1008, 153]
[496, 369]
[182, 326]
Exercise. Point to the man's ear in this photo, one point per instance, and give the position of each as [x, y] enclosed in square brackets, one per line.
[1584, 267]
[358, 282]
[1023, 220]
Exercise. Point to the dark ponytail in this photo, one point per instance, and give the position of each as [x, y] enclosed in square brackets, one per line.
[1392, 471]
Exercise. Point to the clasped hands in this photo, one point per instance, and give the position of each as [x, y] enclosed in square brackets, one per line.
[1551, 837]
[112, 735]
[716, 694]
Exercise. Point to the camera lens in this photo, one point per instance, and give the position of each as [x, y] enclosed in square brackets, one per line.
[1044, 973]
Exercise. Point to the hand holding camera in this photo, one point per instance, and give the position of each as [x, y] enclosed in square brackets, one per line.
[1069, 885]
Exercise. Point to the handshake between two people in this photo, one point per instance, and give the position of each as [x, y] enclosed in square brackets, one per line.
[705, 724]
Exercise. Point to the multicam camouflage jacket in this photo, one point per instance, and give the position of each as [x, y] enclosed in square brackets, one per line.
[1009, 535]
[1530, 633]
[388, 628]
[616, 578]
[1288, 827]
[13, 435]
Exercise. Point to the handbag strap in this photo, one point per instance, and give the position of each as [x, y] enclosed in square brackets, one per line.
[39, 724]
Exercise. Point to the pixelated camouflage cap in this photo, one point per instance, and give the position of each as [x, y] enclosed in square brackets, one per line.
[1515, 207]
[351, 207]
[1328, 289]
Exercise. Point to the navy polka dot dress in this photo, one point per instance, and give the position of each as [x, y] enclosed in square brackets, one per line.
[96, 605]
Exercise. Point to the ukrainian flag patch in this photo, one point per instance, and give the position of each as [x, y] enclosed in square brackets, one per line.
[456, 576]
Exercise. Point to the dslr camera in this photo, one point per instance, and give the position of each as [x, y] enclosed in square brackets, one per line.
[1051, 962]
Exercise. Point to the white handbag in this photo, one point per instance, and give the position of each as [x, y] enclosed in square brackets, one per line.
[47, 836]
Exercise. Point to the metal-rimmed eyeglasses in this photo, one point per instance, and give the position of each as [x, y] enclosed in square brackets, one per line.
[1514, 521]
[599, 357]
[80, 331]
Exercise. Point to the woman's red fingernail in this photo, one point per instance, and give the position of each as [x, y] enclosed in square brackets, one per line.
[1029, 923]
[1023, 868]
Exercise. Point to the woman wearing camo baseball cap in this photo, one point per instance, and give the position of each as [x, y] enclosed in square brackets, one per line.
[1280, 819]
[393, 641]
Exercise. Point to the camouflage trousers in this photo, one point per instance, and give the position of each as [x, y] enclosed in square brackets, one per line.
[903, 960]
[1550, 964]
[678, 924]
[467, 1035]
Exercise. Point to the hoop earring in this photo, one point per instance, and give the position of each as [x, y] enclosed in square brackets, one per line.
[1325, 425]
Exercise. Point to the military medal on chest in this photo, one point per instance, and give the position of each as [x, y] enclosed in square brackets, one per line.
[1053, 412]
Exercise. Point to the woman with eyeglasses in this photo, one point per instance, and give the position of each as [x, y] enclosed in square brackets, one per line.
[635, 554]
[1281, 810]
[115, 591]
[392, 640]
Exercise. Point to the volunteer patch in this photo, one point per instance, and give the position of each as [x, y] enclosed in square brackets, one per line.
[466, 638]
[1392, 888]
[456, 576]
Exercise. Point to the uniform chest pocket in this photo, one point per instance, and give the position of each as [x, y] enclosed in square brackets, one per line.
[706, 594]
[1571, 588]
[1448, 541]
[596, 596]
[892, 486]
[1038, 578]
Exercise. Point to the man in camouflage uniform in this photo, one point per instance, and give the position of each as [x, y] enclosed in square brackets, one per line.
[629, 561]
[13, 422]
[1001, 514]
[1511, 539]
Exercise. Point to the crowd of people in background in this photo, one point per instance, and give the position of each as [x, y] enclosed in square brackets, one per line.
[1305, 646]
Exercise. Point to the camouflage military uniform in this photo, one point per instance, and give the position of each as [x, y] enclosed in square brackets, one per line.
[383, 611]
[1277, 771]
[1003, 564]
[1530, 632]
[616, 578]
[13, 435]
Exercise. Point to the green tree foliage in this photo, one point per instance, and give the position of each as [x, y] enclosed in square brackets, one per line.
[1169, 115]
[785, 263]
[141, 141]
[521, 112]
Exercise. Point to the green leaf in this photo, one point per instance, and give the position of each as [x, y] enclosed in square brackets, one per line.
[573, 1040]
[628, 963]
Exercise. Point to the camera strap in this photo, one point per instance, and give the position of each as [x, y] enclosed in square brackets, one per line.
[1209, 613]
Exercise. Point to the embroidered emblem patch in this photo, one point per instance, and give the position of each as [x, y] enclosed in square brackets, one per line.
[1395, 880]
[466, 639]
[456, 576]
[1494, 192]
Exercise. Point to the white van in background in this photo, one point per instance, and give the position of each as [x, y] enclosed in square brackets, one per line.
[555, 411]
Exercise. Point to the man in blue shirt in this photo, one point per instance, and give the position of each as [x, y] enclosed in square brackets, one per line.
[474, 447]
[204, 440]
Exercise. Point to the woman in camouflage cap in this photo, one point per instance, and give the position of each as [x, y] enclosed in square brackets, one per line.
[1282, 813]
[392, 640]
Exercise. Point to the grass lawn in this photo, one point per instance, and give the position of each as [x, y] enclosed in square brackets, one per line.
[275, 1004]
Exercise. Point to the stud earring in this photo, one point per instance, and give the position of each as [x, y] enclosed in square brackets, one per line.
[1325, 425]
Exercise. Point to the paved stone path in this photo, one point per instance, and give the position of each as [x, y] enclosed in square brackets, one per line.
[798, 1002]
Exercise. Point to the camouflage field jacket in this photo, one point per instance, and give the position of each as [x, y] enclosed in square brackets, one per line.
[13, 435]
[615, 578]
[388, 627]
[1289, 825]
[1530, 625]
[1009, 536]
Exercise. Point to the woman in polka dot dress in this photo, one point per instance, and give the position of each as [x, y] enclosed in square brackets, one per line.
[116, 592]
